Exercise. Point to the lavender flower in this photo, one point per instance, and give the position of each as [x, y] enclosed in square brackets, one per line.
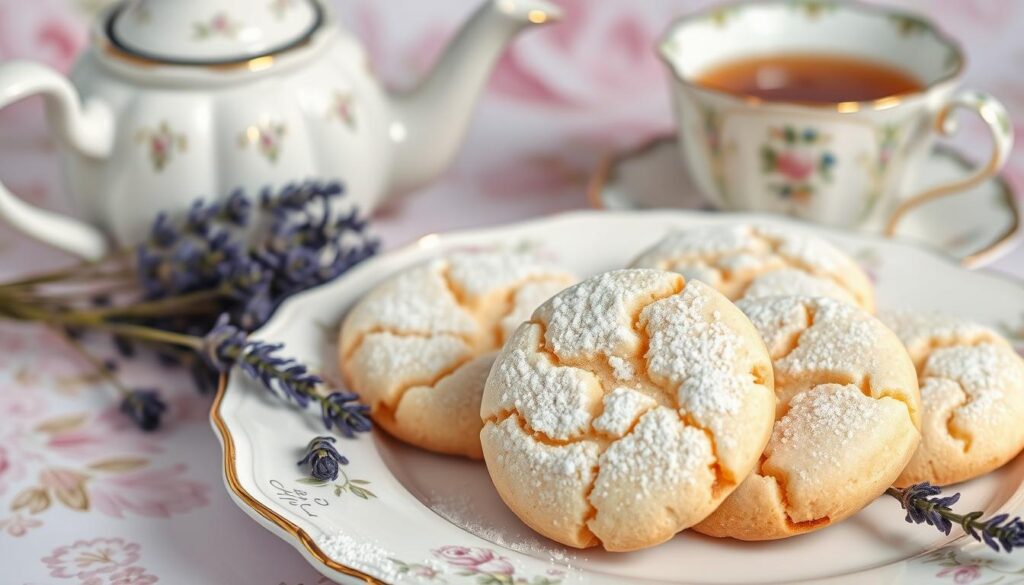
[237, 209]
[923, 506]
[162, 235]
[145, 407]
[281, 375]
[223, 345]
[344, 410]
[323, 459]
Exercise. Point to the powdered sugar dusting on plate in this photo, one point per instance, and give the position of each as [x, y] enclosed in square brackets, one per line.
[361, 554]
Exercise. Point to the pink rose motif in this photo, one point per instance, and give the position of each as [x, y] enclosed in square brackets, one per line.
[962, 574]
[133, 576]
[794, 165]
[19, 525]
[156, 493]
[88, 558]
[479, 560]
[220, 22]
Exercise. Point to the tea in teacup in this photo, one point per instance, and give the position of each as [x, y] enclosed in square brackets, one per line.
[798, 77]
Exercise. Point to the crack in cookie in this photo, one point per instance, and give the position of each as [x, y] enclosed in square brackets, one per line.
[618, 382]
[739, 259]
[842, 379]
[433, 328]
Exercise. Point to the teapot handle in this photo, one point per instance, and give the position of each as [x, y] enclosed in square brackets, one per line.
[87, 128]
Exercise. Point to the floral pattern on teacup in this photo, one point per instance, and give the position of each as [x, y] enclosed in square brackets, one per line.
[796, 162]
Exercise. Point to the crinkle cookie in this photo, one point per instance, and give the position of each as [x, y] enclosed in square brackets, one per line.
[750, 261]
[418, 347]
[847, 419]
[626, 410]
[972, 397]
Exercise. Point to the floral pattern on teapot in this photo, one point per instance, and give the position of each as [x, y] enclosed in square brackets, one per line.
[162, 142]
[219, 24]
[266, 138]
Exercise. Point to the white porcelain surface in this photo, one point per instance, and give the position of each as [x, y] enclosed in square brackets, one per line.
[438, 519]
[842, 164]
[975, 228]
[212, 30]
[138, 136]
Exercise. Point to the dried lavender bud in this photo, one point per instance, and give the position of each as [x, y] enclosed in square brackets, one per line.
[323, 459]
[145, 407]
[924, 507]
[344, 410]
[162, 234]
[223, 345]
[237, 209]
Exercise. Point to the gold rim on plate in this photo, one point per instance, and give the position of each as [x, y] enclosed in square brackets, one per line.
[231, 478]
[604, 173]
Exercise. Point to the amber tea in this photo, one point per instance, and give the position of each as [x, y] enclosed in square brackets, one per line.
[809, 79]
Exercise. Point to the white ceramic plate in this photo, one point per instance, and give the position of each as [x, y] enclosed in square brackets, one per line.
[436, 519]
[975, 227]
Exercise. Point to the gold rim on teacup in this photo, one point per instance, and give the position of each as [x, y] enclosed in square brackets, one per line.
[667, 45]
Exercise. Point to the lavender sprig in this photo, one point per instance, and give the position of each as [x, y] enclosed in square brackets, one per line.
[323, 459]
[925, 505]
[168, 292]
[226, 346]
[343, 409]
[144, 407]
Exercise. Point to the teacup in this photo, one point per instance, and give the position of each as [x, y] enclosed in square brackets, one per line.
[844, 163]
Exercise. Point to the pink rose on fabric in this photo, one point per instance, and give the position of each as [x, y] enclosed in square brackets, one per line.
[133, 576]
[961, 575]
[157, 493]
[794, 165]
[19, 525]
[88, 558]
[480, 560]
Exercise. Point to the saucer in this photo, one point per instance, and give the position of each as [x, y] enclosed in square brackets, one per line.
[974, 227]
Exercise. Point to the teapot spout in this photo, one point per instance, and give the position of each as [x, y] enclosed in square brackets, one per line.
[430, 121]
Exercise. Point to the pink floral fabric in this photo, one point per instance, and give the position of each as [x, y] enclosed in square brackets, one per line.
[85, 498]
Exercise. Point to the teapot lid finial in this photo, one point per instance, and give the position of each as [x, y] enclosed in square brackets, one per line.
[211, 31]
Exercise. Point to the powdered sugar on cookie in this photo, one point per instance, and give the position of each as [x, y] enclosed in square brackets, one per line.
[658, 376]
[622, 408]
[733, 257]
[414, 333]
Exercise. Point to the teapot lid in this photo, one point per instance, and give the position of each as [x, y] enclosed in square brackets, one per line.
[209, 32]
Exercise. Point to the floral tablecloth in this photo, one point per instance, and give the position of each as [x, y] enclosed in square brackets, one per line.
[87, 499]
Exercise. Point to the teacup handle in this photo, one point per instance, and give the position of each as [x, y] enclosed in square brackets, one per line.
[88, 128]
[996, 117]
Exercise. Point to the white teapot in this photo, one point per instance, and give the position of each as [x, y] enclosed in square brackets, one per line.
[177, 99]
